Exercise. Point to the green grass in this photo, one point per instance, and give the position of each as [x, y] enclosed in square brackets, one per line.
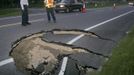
[9, 12]
[16, 11]
[122, 60]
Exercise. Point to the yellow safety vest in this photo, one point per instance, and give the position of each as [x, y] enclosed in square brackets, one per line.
[49, 3]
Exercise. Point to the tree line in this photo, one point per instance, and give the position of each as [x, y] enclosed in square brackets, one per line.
[16, 3]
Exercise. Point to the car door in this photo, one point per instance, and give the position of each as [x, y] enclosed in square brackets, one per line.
[76, 4]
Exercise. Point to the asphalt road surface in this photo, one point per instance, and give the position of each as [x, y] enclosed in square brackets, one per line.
[106, 22]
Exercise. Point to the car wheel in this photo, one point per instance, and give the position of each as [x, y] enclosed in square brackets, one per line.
[80, 9]
[67, 10]
[56, 11]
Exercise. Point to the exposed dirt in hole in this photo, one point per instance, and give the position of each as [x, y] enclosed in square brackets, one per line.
[31, 52]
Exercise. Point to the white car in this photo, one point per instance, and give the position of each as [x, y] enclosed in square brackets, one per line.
[131, 3]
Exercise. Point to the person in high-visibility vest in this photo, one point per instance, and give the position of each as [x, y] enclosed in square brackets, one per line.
[24, 7]
[49, 4]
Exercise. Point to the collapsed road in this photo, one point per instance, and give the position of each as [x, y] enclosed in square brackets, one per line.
[35, 54]
[106, 22]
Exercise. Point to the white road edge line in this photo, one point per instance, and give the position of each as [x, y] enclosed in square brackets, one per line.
[20, 16]
[15, 24]
[65, 59]
[6, 61]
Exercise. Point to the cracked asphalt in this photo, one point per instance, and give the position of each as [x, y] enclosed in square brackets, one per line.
[11, 30]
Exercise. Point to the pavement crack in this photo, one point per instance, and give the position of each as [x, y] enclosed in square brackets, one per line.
[80, 67]
[33, 52]
[73, 48]
[78, 32]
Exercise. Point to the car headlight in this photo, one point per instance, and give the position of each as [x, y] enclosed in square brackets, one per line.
[62, 6]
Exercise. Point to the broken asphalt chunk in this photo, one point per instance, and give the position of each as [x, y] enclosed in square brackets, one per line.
[34, 54]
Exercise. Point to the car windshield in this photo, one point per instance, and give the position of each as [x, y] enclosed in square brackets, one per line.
[65, 1]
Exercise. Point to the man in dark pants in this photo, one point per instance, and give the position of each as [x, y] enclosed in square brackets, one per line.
[24, 7]
[50, 10]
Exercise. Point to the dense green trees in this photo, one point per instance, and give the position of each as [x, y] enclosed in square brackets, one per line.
[15, 3]
[9, 3]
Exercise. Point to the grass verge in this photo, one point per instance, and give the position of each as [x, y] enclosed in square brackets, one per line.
[16, 11]
[9, 12]
[122, 60]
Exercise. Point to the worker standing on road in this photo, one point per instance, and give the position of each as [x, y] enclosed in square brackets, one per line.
[49, 4]
[24, 7]
[114, 5]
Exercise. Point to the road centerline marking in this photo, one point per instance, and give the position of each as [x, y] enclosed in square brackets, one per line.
[65, 59]
[5, 18]
[6, 61]
[15, 24]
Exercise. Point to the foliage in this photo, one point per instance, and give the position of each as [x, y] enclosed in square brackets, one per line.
[9, 12]
[16, 3]
[121, 63]
[122, 60]
[37, 3]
